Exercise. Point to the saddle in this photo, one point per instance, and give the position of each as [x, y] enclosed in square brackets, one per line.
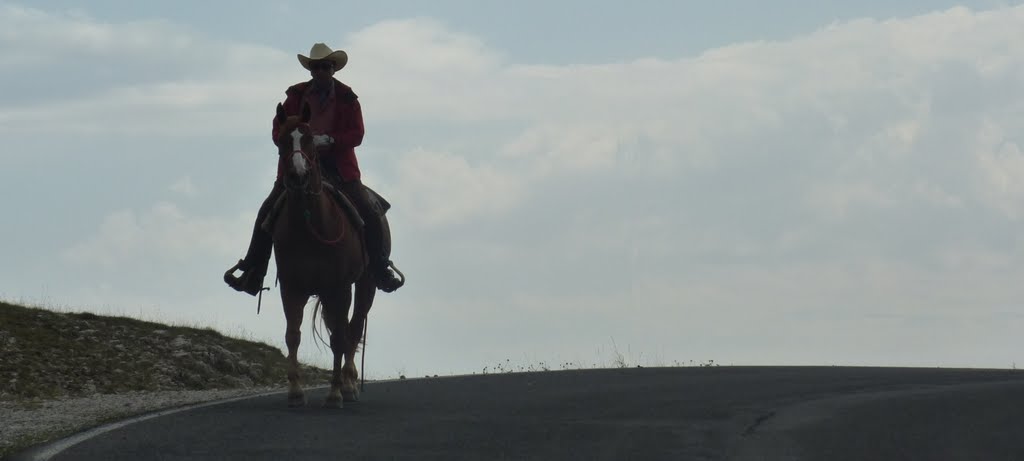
[377, 202]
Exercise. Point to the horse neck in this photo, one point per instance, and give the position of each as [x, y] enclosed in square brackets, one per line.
[316, 177]
[316, 210]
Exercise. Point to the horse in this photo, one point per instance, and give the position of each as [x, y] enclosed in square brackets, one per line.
[320, 252]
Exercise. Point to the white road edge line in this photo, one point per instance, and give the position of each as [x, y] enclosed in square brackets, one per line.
[45, 452]
[49, 450]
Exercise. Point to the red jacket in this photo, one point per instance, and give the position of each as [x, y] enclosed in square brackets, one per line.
[347, 129]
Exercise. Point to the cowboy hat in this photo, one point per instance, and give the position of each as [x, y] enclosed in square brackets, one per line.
[319, 51]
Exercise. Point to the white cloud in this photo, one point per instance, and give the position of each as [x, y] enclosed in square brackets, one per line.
[418, 69]
[185, 187]
[174, 50]
[1001, 164]
[143, 77]
[868, 168]
[849, 124]
[438, 52]
[852, 117]
[163, 234]
[171, 109]
[857, 105]
[441, 189]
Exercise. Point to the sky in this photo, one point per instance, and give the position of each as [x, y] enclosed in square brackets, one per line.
[576, 182]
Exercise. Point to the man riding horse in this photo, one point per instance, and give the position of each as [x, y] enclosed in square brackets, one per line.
[337, 125]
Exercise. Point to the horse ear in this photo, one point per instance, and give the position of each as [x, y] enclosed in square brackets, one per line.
[306, 113]
[280, 113]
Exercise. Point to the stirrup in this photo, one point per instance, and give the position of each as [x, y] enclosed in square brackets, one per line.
[386, 281]
[239, 283]
[231, 280]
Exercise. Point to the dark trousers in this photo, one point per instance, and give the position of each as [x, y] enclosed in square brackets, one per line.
[371, 215]
[257, 258]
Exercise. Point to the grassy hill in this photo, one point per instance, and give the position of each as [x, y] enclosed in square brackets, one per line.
[49, 359]
[48, 355]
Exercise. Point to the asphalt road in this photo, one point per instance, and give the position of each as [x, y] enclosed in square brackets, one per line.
[737, 413]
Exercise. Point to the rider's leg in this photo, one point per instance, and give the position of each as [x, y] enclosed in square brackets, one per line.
[379, 262]
[257, 258]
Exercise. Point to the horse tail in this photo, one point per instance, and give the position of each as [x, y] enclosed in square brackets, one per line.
[318, 309]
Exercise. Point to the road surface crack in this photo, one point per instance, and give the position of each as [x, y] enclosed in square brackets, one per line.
[757, 422]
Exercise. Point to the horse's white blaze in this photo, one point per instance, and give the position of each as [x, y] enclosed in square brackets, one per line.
[298, 160]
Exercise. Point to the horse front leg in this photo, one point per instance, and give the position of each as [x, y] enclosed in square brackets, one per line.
[294, 305]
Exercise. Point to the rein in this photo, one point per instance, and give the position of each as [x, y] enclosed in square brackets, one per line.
[303, 187]
[321, 239]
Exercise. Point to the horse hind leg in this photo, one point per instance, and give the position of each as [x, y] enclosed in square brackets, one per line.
[350, 373]
[365, 292]
[335, 317]
[337, 393]
[350, 378]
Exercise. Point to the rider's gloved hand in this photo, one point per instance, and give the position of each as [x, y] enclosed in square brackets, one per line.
[322, 140]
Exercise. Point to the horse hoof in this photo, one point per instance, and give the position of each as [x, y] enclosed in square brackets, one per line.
[350, 396]
[296, 401]
[334, 403]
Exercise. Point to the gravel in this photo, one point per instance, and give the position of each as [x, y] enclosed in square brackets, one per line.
[25, 424]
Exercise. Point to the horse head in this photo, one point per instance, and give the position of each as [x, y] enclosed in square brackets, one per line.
[295, 146]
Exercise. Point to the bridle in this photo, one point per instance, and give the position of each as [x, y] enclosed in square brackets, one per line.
[302, 187]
